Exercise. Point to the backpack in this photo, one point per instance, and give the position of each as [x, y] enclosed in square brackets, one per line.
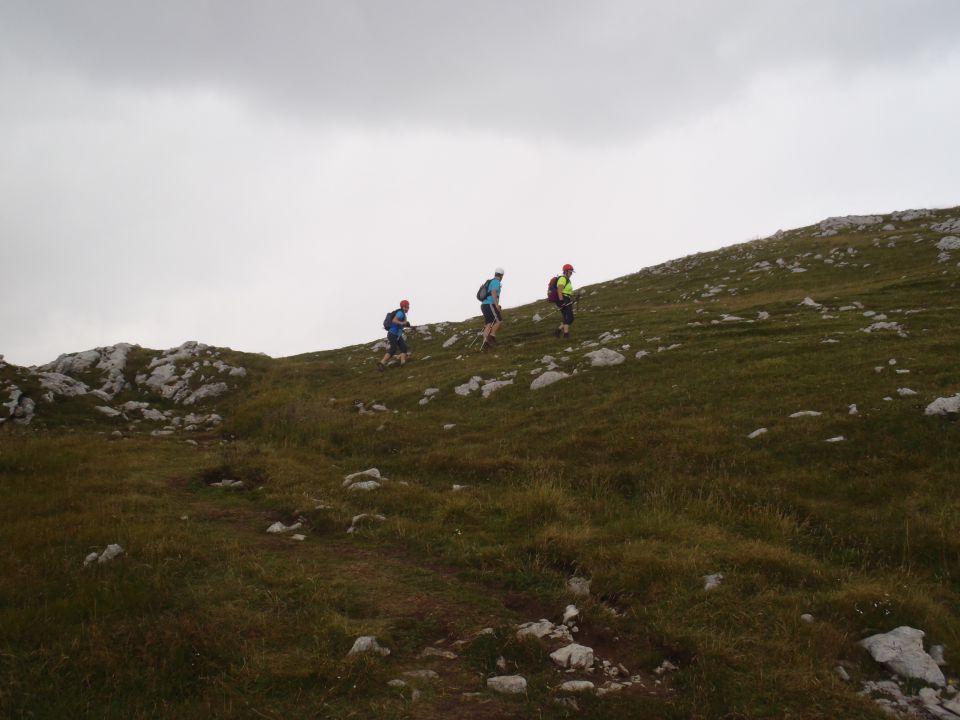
[388, 320]
[484, 292]
[552, 294]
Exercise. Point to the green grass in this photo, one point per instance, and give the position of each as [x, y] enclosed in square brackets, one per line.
[638, 476]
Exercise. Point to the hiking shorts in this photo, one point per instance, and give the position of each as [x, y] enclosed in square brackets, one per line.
[490, 313]
[396, 343]
[567, 312]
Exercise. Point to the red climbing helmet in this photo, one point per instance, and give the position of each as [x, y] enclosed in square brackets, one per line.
[568, 266]
[404, 304]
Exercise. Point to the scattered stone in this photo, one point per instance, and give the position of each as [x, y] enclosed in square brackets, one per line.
[468, 387]
[368, 644]
[578, 586]
[227, 483]
[712, 581]
[508, 684]
[357, 519]
[109, 553]
[108, 411]
[807, 618]
[493, 386]
[396, 683]
[905, 392]
[944, 406]
[449, 426]
[575, 656]
[604, 357]
[665, 667]
[298, 537]
[544, 629]
[901, 651]
[371, 473]
[852, 409]
[421, 674]
[570, 615]
[577, 686]
[438, 653]
[278, 528]
[366, 486]
[838, 438]
[548, 378]
[459, 488]
[806, 413]
[842, 673]
[949, 243]
[757, 433]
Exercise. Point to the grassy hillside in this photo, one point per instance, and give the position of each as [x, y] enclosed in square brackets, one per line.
[640, 477]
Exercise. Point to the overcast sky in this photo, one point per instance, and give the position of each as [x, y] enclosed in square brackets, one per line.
[275, 176]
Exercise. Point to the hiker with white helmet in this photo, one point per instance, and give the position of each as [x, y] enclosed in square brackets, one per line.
[565, 301]
[489, 296]
[394, 324]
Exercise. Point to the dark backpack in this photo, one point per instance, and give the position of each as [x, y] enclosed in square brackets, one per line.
[388, 320]
[484, 292]
[552, 294]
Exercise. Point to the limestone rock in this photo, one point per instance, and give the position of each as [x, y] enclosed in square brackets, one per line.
[544, 629]
[508, 684]
[579, 585]
[949, 243]
[352, 477]
[944, 406]
[366, 486]
[712, 581]
[901, 651]
[109, 553]
[604, 357]
[575, 656]
[547, 378]
[577, 686]
[368, 644]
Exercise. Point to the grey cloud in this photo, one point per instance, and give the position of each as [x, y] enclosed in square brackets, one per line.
[546, 67]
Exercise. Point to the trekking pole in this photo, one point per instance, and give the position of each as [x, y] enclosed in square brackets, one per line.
[474, 341]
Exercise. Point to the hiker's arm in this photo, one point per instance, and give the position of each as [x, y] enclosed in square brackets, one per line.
[496, 298]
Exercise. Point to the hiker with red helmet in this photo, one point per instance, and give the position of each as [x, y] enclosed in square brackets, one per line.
[394, 325]
[565, 301]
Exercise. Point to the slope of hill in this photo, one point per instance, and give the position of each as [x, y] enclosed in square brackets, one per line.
[774, 420]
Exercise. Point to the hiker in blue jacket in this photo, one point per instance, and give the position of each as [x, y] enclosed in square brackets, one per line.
[398, 346]
[491, 311]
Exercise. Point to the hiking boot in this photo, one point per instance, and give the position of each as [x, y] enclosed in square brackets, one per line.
[556, 332]
[381, 367]
[492, 340]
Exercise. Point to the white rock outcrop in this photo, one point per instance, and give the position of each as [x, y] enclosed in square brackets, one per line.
[901, 651]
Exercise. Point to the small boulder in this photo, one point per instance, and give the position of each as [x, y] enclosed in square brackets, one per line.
[368, 644]
[901, 651]
[577, 686]
[508, 684]
[576, 656]
[605, 357]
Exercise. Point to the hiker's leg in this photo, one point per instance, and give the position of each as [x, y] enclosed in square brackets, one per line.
[402, 346]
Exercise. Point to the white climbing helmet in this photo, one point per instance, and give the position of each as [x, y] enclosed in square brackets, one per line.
[498, 271]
